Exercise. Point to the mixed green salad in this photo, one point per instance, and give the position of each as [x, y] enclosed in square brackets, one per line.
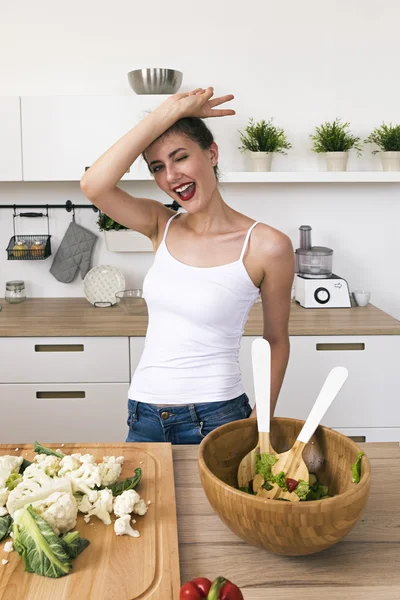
[311, 490]
[40, 501]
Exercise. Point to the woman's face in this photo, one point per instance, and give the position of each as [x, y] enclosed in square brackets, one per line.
[183, 170]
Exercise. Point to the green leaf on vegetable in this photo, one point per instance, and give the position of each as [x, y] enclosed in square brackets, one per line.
[247, 490]
[25, 463]
[280, 479]
[74, 544]
[42, 551]
[264, 464]
[356, 468]
[5, 527]
[39, 449]
[302, 489]
[126, 484]
[13, 480]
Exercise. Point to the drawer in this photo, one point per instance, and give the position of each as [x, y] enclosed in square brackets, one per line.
[63, 413]
[368, 398]
[64, 359]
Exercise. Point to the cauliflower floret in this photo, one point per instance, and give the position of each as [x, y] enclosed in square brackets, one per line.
[59, 510]
[82, 471]
[8, 547]
[129, 501]
[122, 527]
[8, 465]
[50, 463]
[110, 469]
[101, 506]
[4, 492]
[36, 485]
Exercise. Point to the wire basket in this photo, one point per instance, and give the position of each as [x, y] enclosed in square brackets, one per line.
[38, 252]
[34, 247]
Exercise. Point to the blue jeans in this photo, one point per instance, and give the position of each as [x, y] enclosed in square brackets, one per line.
[187, 424]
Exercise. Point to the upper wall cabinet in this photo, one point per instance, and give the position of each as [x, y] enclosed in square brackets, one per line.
[63, 135]
[10, 139]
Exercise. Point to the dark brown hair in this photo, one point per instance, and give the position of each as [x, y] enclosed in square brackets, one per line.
[193, 128]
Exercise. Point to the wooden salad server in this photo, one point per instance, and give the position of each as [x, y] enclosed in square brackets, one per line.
[261, 361]
[291, 462]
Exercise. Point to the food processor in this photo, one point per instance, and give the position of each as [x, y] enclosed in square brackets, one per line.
[315, 284]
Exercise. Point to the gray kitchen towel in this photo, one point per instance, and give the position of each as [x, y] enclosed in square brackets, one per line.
[73, 253]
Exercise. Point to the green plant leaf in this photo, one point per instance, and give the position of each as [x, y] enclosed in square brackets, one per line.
[126, 484]
[335, 137]
[74, 544]
[386, 137]
[42, 551]
[263, 136]
[106, 223]
[39, 449]
[5, 526]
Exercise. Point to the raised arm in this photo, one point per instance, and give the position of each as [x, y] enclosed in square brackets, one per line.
[99, 183]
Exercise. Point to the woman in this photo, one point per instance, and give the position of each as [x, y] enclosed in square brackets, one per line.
[210, 264]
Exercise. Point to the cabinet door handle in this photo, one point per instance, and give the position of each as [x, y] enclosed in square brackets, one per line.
[59, 348]
[50, 395]
[341, 346]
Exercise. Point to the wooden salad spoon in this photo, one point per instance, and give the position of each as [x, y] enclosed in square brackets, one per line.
[261, 361]
[291, 462]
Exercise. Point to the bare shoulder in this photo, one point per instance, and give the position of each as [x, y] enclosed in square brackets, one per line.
[270, 243]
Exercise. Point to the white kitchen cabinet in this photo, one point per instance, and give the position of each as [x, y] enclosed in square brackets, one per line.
[62, 135]
[63, 413]
[10, 139]
[364, 406]
[136, 346]
[61, 359]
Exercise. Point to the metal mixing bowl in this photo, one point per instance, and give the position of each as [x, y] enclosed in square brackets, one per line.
[155, 81]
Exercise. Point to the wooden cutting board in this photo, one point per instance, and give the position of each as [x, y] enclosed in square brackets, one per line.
[112, 567]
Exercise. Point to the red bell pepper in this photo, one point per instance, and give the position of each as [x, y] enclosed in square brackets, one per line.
[196, 589]
[222, 589]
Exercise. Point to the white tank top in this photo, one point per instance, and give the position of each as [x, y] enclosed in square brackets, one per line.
[196, 321]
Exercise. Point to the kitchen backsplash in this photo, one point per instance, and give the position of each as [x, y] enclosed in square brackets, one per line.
[344, 217]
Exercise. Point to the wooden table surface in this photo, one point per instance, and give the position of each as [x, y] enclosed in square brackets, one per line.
[59, 317]
[365, 565]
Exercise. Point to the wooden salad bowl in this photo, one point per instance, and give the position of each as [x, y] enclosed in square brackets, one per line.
[286, 528]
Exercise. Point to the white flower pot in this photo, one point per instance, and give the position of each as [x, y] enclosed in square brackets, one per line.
[390, 161]
[260, 161]
[127, 240]
[336, 161]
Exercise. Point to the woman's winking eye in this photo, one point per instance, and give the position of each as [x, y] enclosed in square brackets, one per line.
[158, 167]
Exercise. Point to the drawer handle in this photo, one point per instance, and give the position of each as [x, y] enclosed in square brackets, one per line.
[59, 348]
[356, 438]
[49, 395]
[353, 346]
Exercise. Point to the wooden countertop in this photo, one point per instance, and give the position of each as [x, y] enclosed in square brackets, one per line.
[363, 566]
[59, 317]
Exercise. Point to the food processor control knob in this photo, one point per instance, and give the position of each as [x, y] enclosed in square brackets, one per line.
[321, 295]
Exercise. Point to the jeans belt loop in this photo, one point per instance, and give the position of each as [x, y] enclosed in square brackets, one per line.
[194, 415]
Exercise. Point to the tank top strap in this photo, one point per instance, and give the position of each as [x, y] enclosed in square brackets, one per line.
[247, 239]
[167, 227]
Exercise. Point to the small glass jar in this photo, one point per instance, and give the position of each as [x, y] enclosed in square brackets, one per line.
[37, 249]
[20, 248]
[15, 291]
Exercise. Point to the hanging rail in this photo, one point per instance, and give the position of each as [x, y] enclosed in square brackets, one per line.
[69, 206]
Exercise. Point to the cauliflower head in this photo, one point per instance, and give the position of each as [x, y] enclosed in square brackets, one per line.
[8, 465]
[82, 471]
[128, 502]
[50, 463]
[100, 505]
[110, 469]
[59, 510]
[36, 485]
[122, 527]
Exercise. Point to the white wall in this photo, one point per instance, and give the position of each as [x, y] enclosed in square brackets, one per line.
[301, 63]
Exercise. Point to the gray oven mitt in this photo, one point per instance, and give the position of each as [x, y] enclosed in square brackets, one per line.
[73, 253]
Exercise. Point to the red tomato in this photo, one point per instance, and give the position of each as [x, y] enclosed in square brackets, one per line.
[291, 484]
[197, 589]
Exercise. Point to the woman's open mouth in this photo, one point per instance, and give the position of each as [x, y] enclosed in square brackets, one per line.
[186, 191]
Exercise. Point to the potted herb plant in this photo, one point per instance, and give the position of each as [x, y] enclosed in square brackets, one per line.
[261, 140]
[387, 138]
[120, 238]
[335, 140]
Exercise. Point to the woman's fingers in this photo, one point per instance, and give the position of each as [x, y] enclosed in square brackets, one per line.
[221, 100]
[223, 112]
